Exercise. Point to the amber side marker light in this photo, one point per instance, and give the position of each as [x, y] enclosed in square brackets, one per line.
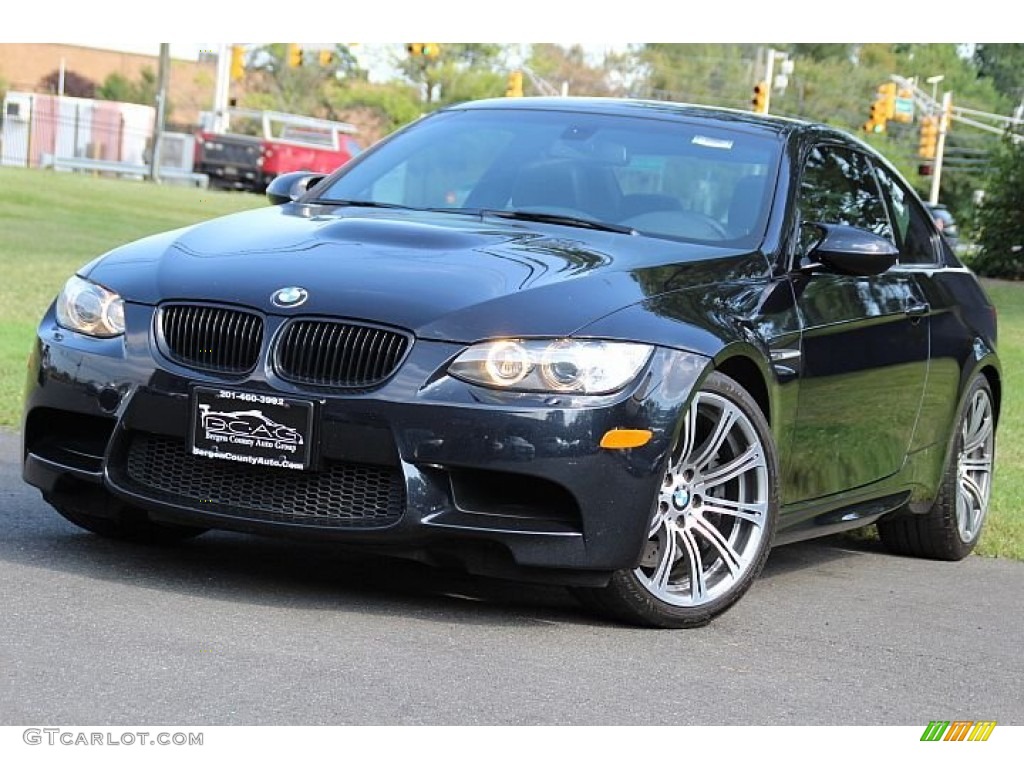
[625, 438]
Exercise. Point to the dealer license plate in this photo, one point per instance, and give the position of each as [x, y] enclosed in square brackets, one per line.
[251, 427]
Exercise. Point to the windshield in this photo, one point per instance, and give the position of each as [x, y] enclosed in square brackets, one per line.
[707, 182]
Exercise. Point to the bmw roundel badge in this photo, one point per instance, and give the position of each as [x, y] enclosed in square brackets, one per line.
[292, 296]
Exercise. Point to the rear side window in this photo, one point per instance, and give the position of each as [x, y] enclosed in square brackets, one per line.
[913, 232]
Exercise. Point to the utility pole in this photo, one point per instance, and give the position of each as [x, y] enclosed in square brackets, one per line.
[940, 146]
[161, 111]
[220, 93]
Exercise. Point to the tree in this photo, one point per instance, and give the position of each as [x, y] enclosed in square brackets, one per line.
[334, 90]
[457, 72]
[1000, 219]
[74, 84]
[117, 87]
[376, 109]
[560, 65]
[823, 51]
[1004, 63]
[700, 73]
[281, 86]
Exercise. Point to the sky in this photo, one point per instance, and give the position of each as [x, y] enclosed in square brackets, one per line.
[598, 25]
[119, 25]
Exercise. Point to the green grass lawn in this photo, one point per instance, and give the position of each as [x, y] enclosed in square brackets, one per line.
[50, 224]
[53, 223]
[1004, 532]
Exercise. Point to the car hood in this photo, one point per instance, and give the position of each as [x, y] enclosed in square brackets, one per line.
[445, 276]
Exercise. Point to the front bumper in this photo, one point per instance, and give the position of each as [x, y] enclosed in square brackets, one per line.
[506, 484]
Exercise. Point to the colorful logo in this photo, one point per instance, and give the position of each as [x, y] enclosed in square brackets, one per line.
[958, 730]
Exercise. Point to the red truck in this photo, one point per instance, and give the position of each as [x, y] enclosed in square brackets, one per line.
[265, 144]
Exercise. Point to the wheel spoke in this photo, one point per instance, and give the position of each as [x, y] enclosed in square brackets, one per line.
[724, 425]
[983, 464]
[689, 431]
[976, 438]
[746, 461]
[669, 554]
[977, 416]
[751, 512]
[657, 522]
[698, 587]
[730, 557]
[973, 492]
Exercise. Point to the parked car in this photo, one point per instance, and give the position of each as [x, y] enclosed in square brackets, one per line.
[945, 223]
[279, 143]
[624, 346]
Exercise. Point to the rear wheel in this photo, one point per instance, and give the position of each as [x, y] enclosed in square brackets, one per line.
[950, 530]
[714, 517]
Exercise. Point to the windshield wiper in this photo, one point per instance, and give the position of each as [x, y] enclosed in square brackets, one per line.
[358, 203]
[559, 218]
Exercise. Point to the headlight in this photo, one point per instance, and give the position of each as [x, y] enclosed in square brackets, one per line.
[562, 365]
[89, 308]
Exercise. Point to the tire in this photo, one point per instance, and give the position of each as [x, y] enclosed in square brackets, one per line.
[951, 528]
[703, 551]
[127, 525]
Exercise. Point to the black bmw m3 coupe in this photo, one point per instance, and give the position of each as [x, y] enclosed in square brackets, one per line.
[623, 346]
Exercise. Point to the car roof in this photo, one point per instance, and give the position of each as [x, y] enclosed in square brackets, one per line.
[646, 108]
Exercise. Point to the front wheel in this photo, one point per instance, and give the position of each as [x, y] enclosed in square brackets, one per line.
[713, 521]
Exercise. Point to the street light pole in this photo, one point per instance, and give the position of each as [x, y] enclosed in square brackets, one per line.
[940, 146]
[769, 72]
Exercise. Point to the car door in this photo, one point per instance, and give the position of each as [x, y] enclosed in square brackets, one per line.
[864, 341]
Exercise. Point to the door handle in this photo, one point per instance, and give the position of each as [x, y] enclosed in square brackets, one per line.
[917, 309]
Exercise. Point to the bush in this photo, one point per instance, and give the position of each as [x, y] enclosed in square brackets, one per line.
[1000, 218]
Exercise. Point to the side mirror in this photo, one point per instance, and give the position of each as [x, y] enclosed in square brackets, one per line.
[851, 251]
[291, 186]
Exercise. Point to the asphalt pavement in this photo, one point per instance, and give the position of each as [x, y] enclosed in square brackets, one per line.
[232, 629]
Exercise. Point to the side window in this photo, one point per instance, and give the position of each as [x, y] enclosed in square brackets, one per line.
[913, 232]
[837, 186]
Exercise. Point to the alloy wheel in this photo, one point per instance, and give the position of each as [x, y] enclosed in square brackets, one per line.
[712, 507]
[974, 466]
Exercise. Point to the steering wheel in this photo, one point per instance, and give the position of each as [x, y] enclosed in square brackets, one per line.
[685, 224]
[703, 220]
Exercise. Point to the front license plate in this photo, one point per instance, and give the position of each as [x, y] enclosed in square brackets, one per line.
[252, 428]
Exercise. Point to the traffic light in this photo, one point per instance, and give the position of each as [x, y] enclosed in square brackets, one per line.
[877, 119]
[325, 58]
[431, 50]
[414, 49]
[294, 56]
[759, 103]
[929, 137]
[887, 95]
[515, 84]
[237, 62]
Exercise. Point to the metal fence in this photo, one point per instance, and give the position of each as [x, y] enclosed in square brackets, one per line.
[42, 130]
